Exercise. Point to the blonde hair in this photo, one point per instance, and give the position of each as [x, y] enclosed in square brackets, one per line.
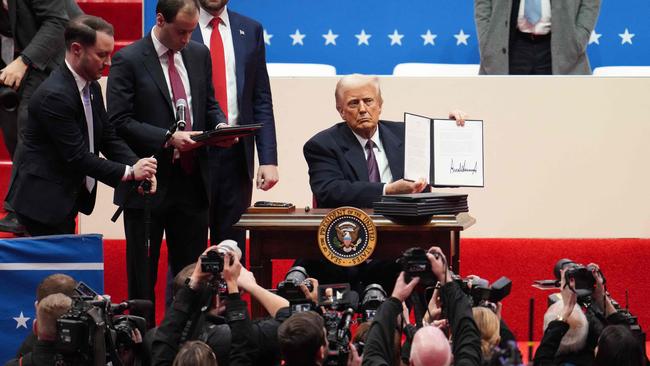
[195, 353]
[489, 326]
[50, 308]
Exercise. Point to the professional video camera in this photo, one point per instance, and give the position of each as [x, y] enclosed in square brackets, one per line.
[8, 98]
[339, 306]
[93, 330]
[481, 293]
[290, 287]
[373, 296]
[414, 263]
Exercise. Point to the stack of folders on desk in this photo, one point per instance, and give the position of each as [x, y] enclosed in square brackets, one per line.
[420, 207]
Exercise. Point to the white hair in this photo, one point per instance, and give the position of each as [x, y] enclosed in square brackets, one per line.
[575, 338]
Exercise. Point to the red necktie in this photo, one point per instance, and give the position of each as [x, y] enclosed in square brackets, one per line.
[218, 67]
[178, 92]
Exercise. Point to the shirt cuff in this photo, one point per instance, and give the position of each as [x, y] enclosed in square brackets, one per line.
[383, 190]
[127, 174]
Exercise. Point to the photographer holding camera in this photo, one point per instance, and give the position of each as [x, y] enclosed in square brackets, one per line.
[195, 312]
[609, 326]
[44, 351]
[430, 347]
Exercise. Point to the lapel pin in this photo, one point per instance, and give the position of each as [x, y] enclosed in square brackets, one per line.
[241, 32]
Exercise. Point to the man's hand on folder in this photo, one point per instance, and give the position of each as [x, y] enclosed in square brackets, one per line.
[182, 140]
[405, 187]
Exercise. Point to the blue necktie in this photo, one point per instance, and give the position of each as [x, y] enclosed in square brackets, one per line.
[533, 11]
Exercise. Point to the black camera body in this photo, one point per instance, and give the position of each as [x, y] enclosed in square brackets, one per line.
[8, 98]
[212, 262]
[414, 263]
[90, 333]
[124, 326]
[337, 325]
[290, 287]
[80, 332]
[373, 296]
[481, 293]
[585, 283]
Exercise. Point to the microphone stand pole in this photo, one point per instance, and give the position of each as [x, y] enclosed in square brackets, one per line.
[146, 188]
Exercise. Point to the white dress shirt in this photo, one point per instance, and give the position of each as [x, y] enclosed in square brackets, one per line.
[161, 51]
[229, 53]
[385, 174]
[543, 26]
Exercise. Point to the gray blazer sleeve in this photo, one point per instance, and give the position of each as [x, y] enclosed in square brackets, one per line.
[586, 20]
[48, 40]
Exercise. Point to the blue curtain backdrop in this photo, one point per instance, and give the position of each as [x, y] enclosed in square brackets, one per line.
[25, 262]
[407, 22]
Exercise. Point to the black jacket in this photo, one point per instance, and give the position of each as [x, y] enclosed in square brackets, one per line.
[262, 346]
[43, 354]
[457, 309]
[338, 172]
[56, 156]
[379, 349]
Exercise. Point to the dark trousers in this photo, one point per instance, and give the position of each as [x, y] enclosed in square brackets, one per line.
[231, 190]
[36, 228]
[182, 217]
[530, 55]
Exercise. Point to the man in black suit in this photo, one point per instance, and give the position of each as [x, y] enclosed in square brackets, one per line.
[354, 163]
[34, 49]
[243, 91]
[66, 129]
[146, 81]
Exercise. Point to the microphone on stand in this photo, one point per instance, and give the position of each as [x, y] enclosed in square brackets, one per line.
[181, 108]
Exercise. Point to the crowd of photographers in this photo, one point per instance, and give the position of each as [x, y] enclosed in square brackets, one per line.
[432, 318]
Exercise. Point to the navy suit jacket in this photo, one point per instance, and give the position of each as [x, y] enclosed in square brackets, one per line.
[49, 185]
[141, 108]
[338, 172]
[253, 87]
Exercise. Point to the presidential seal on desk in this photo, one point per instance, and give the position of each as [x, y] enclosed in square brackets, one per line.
[347, 236]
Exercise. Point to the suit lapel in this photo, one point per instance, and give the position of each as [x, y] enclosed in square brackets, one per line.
[353, 152]
[393, 147]
[239, 44]
[152, 64]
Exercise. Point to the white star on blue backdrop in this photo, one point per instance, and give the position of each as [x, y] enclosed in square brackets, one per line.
[373, 36]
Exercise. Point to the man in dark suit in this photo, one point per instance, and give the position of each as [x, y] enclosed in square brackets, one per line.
[66, 129]
[243, 91]
[354, 163]
[145, 83]
[35, 32]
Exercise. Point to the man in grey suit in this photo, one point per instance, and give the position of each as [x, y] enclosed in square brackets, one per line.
[36, 28]
[526, 37]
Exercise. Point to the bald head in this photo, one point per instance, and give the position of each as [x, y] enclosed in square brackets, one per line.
[430, 348]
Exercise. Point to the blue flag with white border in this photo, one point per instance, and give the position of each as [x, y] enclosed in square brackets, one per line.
[24, 262]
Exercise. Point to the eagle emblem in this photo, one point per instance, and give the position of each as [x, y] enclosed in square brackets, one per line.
[347, 234]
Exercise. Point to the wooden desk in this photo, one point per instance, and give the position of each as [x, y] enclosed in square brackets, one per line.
[293, 235]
